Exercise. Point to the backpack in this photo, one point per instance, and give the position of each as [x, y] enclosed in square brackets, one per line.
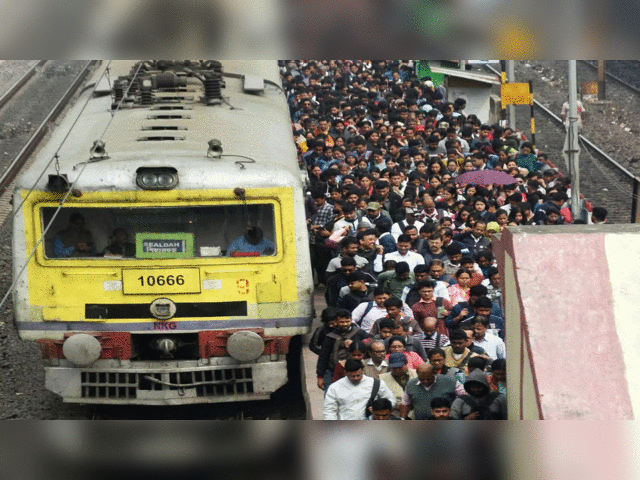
[482, 407]
[314, 343]
[339, 351]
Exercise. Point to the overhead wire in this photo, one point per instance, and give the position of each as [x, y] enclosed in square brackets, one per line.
[70, 189]
[54, 157]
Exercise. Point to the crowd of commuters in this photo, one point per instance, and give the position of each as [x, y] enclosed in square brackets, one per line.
[414, 326]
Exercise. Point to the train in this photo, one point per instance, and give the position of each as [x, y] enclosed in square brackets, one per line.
[160, 248]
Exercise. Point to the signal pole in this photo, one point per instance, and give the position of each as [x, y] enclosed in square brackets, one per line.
[511, 78]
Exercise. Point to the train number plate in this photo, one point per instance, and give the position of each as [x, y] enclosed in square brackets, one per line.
[158, 281]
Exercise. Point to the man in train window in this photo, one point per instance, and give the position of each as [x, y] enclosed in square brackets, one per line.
[75, 240]
[251, 244]
[120, 245]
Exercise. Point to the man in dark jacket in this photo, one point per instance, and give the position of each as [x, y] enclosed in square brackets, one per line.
[475, 239]
[338, 280]
[359, 291]
[480, 403]
[336, 345]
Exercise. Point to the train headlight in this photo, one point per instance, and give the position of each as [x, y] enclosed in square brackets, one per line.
[148, 180]
[81, 349]
[157, 178]
[165, 180]
[245, 346]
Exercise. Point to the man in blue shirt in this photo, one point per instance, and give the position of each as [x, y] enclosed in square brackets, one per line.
[75, 240]
[252, 243]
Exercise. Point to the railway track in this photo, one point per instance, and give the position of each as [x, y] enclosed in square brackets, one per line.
[618, 73]
[606, 179]
[12, 112]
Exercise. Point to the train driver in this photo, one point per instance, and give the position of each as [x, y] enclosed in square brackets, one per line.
[120, 245]
[75, 240]
[250, 244]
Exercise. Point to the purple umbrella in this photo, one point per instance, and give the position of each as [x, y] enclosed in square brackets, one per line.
[485, 177]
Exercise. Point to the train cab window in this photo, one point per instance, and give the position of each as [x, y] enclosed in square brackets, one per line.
[228, 231]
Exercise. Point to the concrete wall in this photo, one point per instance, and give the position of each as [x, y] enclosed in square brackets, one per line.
[571, 305]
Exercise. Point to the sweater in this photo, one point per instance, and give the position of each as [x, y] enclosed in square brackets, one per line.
[444, 386]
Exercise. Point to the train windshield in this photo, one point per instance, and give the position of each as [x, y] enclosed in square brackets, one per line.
[161, 232]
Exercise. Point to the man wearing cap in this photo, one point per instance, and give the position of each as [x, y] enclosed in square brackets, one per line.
[398, 377]
[409, 219]
[376, 215]
[347, 398]
[390, 201]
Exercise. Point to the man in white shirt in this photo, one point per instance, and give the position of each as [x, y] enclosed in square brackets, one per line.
[404, 254]
[347, 398]
[564, 113]
[492, 344]
[367, 313]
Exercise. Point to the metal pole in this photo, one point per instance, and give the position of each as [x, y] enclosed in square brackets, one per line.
[463, 64]
[634, 201]
[511, 78]
[533, 118]
[601, 77]
[572, 132]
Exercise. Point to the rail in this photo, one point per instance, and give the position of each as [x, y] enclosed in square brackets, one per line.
[635, 211]
[12, 170]
[20, 83]
[612, 76]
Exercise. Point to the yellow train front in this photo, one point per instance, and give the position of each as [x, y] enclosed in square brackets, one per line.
[162, 258]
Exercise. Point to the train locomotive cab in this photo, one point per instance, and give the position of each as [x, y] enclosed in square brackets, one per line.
[172, 274]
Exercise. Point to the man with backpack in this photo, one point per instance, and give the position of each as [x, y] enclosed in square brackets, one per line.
[480, 403]
[336, 345]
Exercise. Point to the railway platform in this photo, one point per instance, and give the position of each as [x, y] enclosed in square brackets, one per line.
[313, 395]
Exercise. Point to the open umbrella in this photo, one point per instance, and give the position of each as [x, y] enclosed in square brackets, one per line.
[485, 177]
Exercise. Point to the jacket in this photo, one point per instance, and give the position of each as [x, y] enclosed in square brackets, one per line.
[491, 405]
